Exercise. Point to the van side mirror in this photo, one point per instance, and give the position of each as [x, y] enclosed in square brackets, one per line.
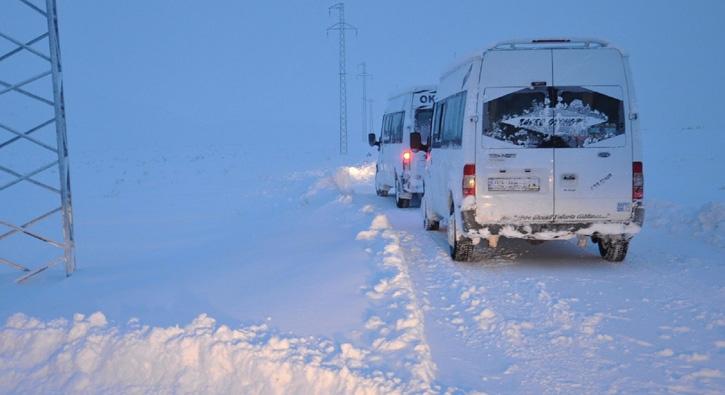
[415, 141]
[372, 141]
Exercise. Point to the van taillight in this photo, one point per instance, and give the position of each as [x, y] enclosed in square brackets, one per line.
[407, 155]
[637, 181]
[469, 180]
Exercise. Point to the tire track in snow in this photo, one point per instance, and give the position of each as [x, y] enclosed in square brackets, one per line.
[393, 341]
[553, 319]
[518, 334]
[395, 327]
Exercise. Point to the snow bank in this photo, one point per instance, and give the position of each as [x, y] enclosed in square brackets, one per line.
[396, 325]
[348, 177]
[89, 356]
[706, 222]
[347, 180]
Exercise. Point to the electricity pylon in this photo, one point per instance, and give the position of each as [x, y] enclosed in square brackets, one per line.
[40, 125]
[370, 113]
[364, 75]
[342, 26]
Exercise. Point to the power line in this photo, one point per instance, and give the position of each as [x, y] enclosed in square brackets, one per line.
[341, 26]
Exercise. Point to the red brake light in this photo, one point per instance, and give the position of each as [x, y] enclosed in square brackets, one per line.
[469, 180]
[407, 155]
[469, 169]
[637, 181]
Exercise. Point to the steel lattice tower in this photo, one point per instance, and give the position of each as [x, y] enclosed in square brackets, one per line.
[42, 133]
[341, 26]
[364, 75]
[371, 115]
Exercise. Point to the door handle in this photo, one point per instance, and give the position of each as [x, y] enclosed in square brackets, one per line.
[604, 154]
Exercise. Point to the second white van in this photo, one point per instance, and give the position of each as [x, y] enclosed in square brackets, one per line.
[399, 166]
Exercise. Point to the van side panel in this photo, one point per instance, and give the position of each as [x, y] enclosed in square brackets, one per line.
[633, 119]
[390, 153]
[444, 167]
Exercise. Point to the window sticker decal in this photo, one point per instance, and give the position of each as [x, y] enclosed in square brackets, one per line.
[556, 117]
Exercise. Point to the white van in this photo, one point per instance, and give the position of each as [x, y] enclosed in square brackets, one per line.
[537, 139]
[399, 167]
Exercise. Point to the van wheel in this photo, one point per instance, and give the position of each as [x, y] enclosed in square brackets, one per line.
[613, 250]
[428, 223]
[400, 202]
[461, 248]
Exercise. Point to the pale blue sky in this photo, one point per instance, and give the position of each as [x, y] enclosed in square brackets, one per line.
[190, 71]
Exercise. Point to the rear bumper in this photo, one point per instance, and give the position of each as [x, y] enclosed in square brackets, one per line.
[553, 230]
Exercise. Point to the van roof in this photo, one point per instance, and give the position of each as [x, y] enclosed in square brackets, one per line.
[533, 44]
[412, 89]
[548, 43]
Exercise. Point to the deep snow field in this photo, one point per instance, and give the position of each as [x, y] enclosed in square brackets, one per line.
[209, 271]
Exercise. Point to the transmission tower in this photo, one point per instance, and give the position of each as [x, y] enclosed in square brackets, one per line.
[370, 113]
[341, 26]
[364, 75]
[36, 123]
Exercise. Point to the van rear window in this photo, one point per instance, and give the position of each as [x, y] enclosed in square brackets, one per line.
[555, 117]
[393, 128]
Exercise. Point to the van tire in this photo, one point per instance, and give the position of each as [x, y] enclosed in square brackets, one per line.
[613, 250]
[400, 202]
[460, 248]
[428, 223]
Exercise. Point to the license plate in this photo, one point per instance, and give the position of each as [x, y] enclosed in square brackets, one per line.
[526, 184]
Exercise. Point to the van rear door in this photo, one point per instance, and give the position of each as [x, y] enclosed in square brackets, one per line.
[593, 154]
[514, 159]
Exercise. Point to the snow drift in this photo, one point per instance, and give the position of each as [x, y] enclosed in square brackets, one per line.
[89, 356]
[348, 180]
[706, 222]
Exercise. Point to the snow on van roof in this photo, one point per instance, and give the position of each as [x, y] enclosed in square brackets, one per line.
[412, 89]
[534, 43]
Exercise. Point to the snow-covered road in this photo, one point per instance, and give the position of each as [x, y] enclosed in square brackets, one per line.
[198, 275]
[555, 318]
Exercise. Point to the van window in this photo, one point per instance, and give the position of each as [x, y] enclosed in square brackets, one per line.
[387, 129]
[585, 117]
[520, 118]
[448, 121]
[452, 122]
[393, 128]
[423, 123]
[528, 118]
[437, 116]
[397, 120]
